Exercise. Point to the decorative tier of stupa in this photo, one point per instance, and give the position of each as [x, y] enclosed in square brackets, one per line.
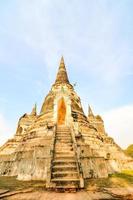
[61, 145]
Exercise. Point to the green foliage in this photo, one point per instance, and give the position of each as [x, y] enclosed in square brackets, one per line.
[128, 172]
[11, 183]
[129, 150]
[123, 179]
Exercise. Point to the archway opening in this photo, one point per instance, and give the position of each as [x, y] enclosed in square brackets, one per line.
[61, 112]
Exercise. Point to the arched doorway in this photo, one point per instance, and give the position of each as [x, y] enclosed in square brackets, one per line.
[61, 112]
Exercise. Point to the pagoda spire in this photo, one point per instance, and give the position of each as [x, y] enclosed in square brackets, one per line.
[62, 61]
[90, 113]
[62, 76]
[34, 110]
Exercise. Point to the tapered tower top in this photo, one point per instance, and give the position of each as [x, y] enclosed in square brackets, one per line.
[34, 110]
[90, 112]
[62, 76]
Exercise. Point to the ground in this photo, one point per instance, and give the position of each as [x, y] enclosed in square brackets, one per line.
[117, 186]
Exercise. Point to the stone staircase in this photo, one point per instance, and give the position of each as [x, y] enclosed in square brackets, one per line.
[64, 169]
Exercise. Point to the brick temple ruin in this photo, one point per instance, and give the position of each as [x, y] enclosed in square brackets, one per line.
[61, 145]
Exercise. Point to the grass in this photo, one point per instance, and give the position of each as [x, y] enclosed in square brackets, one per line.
[128, 172]
[123, 179]
[11, 183]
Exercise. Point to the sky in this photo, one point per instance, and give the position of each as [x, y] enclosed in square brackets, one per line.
[96, 39]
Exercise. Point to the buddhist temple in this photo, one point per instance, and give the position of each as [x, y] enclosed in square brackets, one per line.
[61, 145]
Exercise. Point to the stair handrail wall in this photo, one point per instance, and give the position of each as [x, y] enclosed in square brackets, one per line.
[77, 157]
[48, 181]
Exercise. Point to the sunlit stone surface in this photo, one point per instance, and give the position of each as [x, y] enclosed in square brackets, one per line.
[61, 145]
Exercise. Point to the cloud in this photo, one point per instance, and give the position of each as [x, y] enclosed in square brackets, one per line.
[95, 38]
[119, 125]
[6, 132]
[89, 34]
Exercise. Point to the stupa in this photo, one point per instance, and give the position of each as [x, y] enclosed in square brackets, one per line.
[61, 145]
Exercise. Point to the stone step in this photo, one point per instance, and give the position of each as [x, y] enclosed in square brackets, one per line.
[64, 157]
[64, 162]
[59, 144]
[67, 187]
[66, 151]
[63, 131]
[64, 154]
[62, 168]
[63, 136]
[63, 127]
[66, 148]
[63, 142]
[68, 180]
[69, 183]
[63, 148]
[66, 174]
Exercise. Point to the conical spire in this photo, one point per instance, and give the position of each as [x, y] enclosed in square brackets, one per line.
[90, 113]
[62, 73]
[34, 112]
[62, 61]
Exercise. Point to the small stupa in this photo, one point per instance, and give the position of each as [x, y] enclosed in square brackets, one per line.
[61, 145]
